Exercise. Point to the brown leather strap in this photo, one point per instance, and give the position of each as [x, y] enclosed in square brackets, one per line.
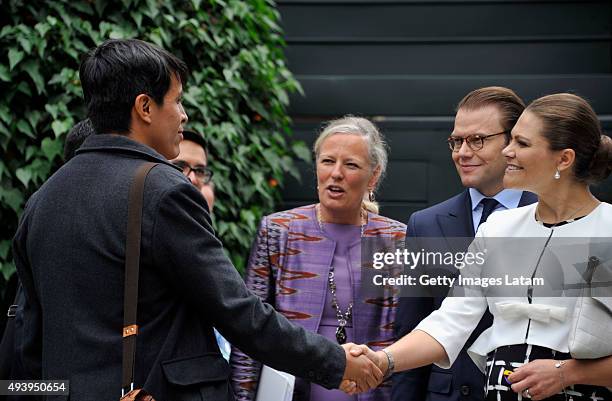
[137, 395]
[132, 265]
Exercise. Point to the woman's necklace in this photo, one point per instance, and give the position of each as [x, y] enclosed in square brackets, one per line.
[363, 215]
[343, 318]
[571, 219]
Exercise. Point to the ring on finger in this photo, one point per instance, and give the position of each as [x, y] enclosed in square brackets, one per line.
[526, 393]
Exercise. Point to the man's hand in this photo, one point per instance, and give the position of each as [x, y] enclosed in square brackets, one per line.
[361, 373]
[379, 358]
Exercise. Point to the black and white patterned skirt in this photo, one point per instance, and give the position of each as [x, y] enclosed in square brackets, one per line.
[511, 357]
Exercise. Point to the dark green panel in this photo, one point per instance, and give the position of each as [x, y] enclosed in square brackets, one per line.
[406, 64]
[432, 95]
[447, 58]
[426, 145]
[368, 20]
[303, 190]
[400, 211]
[405, 181]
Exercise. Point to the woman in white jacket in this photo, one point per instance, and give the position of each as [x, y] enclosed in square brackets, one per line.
[557, 150]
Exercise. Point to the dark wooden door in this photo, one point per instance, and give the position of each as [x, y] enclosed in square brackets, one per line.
[406, 64]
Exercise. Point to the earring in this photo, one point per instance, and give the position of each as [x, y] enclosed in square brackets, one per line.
[557, 174]
[371, 196]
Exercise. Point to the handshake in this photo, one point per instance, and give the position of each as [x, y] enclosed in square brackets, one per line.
[365, 369]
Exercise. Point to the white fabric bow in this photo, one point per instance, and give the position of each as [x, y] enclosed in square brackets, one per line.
[541, 313]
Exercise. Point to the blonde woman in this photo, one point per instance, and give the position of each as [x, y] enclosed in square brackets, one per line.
[306, 261]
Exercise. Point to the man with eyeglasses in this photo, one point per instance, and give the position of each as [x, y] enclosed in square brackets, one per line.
[193, 160]
[482, 128]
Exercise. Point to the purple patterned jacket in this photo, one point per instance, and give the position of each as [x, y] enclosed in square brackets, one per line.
[288, 268]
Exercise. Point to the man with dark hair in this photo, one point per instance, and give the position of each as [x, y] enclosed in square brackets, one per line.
[482, 128]
[69, 251]
[193, 161]
[76, 137]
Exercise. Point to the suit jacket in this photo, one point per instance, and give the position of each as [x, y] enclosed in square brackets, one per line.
[69, 251]
[451, 218]
[289, 266]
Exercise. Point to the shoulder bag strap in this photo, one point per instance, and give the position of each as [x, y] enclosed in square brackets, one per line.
[132, 264]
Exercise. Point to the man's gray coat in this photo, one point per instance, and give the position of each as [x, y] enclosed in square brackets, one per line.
[69, 250]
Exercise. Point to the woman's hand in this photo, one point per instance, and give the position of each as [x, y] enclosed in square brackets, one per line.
[540, 377]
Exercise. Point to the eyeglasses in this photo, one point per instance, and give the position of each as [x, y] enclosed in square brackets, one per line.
[475, 142]
[202, 173]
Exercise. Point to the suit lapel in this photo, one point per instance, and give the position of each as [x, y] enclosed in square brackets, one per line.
[456, 224]
[458, 221]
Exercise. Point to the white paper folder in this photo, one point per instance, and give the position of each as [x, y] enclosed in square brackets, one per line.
[274, 385]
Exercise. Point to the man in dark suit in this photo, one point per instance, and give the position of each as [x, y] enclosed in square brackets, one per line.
[482, 128]
[69, 251]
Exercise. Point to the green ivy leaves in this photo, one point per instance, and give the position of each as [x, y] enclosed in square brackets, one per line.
[236, 97]
[14, 56]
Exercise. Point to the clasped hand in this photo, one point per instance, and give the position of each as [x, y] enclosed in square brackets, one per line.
[365, 369]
